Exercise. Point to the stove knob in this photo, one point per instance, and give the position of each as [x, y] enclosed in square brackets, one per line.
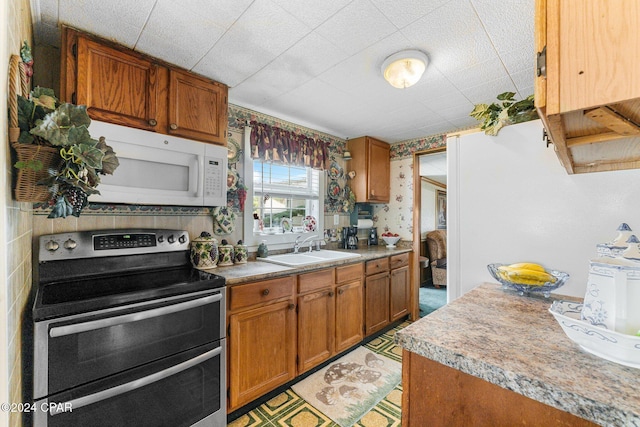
[171, 239]
[182, 239]
[70, 244]
[51, 246]
[160, 239]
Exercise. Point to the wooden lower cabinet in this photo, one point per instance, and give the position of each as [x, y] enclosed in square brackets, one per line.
[316, 326]
[349, 315]
[376, 302]
[440, 396]
[399, 288]
[262, 351]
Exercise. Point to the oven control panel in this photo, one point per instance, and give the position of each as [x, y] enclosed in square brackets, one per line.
[90, 244]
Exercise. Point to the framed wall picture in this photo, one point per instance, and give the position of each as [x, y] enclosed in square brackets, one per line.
[441, 209]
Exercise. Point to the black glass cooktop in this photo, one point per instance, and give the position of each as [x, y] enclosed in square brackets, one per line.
[65, 297]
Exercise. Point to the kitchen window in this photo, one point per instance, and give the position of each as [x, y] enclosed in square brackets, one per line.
[286, 202]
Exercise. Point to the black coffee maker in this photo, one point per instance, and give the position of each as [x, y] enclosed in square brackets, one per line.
[373, 236]
[350, 237]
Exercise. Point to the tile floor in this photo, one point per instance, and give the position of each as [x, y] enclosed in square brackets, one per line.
[290, 410]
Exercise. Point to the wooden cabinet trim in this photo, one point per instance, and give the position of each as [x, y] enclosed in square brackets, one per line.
[309, 282]
[376, 266]
[261, 292]
[349, 272]
[396, 261]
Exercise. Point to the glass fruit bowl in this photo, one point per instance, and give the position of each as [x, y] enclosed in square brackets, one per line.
[524, 289]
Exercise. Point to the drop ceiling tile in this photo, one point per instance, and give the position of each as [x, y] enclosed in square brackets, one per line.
[478, 74]
[524, 79]
[222, 13]
[403, 12]
[290, 70]
[525, 91]
[510, 25]
[457, 113]
[254, 92]
[488, 92]
[357, 26]
[259, 36]
[453, 99]
[169, 26]
[519, 59]
[118, 20]
[452, 36]
[361, 72]
[312, 12]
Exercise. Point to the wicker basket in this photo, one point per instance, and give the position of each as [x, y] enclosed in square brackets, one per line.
[25, 184]
[27, 188]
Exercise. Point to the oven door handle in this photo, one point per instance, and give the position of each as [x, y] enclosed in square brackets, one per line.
[130, 386]
[77, 328]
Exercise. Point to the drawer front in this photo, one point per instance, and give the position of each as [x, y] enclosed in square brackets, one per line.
[377, 266]
[399, 260]
[349, 273]
[260, 292]
[317, 280]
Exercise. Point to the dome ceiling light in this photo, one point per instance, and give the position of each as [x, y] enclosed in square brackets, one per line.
[404, 69]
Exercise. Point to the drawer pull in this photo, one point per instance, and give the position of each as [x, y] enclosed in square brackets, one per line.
[265, 292]
[153, 122]
[292, 306]
[173, 126]
[331, 294]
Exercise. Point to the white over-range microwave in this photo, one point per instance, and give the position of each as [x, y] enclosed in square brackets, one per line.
[158, 169]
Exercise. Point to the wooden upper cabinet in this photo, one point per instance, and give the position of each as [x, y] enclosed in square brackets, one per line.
[116, 87]
[370, 160]
[124, 87]
[197, 108]
[587, 88]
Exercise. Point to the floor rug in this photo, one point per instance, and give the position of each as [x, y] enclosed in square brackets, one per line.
[348, 388]
[431, 299]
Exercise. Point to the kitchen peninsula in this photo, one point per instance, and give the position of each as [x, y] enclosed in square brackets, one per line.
[493, 357]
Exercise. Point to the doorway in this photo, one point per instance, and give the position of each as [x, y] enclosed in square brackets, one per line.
[430, 203]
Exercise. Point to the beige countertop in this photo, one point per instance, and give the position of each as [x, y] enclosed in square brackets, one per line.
[260, 270]
[514, 342]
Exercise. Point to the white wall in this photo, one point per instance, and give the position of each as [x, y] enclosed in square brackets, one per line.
[510, 200]
[427, 208]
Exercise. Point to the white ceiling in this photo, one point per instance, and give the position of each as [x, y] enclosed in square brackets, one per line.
[317, 62]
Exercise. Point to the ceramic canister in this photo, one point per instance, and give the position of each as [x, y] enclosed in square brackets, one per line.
[241, 253]
[613, 295]
[225, 257]
[204, 251]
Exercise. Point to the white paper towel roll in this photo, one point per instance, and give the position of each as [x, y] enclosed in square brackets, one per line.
[365, 223]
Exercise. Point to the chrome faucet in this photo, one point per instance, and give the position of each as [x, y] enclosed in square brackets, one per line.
[296, 245]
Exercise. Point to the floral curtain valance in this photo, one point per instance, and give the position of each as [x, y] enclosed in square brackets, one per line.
[272, 144]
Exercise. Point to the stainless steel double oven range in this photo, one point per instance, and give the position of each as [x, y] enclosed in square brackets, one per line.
[127, 333]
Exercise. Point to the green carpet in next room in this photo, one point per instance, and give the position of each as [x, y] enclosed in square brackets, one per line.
[431, 299]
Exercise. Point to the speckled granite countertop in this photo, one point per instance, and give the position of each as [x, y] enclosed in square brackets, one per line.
[515, 343]
[260, 270]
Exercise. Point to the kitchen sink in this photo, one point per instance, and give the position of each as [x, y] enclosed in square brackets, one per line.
[306, 258]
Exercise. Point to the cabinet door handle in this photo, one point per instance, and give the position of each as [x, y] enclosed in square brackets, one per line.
[173, 126]
[292, 306]
[331, 294]
[153, 122]
[340, 291]
[265, 292]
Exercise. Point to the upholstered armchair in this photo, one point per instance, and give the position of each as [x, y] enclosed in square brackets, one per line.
[437, 252]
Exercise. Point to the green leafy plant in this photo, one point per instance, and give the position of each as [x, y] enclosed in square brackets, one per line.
[43, 121]
[508, 111]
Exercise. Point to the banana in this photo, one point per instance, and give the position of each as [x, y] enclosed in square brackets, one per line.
[528, 266]
[525, 276]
